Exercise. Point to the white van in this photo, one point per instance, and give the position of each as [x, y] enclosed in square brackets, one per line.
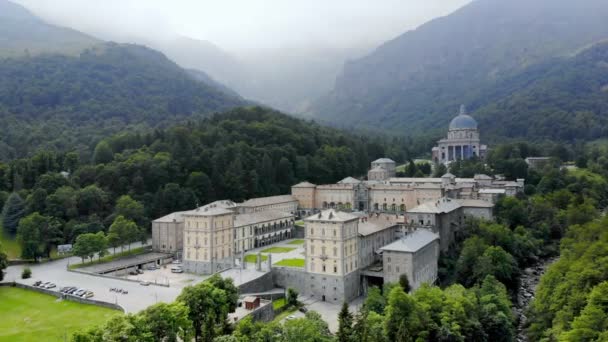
[177, 269]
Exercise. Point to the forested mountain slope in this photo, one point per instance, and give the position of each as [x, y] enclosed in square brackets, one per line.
[56, 100]
[22, 33]
[417, 80]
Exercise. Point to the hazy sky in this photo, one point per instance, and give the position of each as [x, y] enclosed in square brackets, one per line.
[237, 25]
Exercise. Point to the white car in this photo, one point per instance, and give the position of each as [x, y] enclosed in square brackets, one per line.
[144, 283]
[50, 286]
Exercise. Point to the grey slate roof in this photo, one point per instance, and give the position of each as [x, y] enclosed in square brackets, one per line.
[254, 202]
[332, 215]
[412, 242]
[260, 217]
[443, 205]
[383, 160]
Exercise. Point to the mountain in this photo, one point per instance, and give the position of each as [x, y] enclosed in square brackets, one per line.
[203, 77]
[562, 99]
[62, 100]
[415, 82]
[22, 33]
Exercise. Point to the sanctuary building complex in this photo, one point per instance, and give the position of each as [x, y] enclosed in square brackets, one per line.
[357, 231]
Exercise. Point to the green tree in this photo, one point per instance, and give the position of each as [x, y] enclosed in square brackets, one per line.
[13, 211]
[103, 153]
[495, 311]
[345, 324]
[37, 234]
[401, 321]
[375, 302]
[404, 282]
[311, 328]
[126, 230]
[498, 263]
[3, 262]
[167, 322]
[130, 209]
[208, 309]
[292, 297]
[87, 245]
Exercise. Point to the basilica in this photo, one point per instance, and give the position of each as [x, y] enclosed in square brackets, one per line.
[462, 141]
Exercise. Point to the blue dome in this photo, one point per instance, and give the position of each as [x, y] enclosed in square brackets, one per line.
[463, 121]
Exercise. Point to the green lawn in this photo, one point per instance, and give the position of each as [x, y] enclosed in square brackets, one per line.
[291, 262]
[33, 316]
[284, 314]
[299, 223]
[279, 303]
[10, 246]
[278, 250]
[296, 242]
[251, 258]
[109, 258]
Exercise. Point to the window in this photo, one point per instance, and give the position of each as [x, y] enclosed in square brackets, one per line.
[335, 232]
[335, 269]
[335, 251]
[397, 269]
[323, 268]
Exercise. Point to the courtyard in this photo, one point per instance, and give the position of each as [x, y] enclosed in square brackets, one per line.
[33, 316]
[288, 253]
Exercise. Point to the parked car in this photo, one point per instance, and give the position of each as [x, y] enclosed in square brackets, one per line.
[51, 285]
[79, 292]
[303, 309]
[88, 294]
[290, 317]
[140, 271]
[133, 273]
[144, 283]
[43, 285]
[152, 267]
[72, 290]
[177, 269]
[37, 283]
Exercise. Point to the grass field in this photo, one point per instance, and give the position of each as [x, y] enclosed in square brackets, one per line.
[33, 316]
[299, 223]
[278, 250]
[296, 242]
[251, 258]
[291, 262]
[279, 303]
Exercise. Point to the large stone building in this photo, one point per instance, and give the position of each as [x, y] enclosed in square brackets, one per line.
[397, 195]
[414, 255]
[462, 141]
[211, 237]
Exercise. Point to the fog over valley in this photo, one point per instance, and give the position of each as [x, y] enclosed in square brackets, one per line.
[282, 53]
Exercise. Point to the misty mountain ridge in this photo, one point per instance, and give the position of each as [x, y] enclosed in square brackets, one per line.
[22, 33]
[104, 90]
[417, 80]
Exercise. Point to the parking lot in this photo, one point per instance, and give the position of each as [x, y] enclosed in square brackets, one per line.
[138, 297]
[163, 275]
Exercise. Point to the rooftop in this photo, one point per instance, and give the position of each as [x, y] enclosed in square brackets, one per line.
[331, 215]
[383, 160]
[375, 224]
[412, 242]
[414, 180]
[492, 191]
[475, 203]
[260, 217]
[255, 202]
[349, 180]
[443, 205]
[173, 217]
[304, 185]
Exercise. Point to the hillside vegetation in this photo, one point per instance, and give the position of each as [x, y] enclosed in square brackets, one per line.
[416, 82]
[66, 102]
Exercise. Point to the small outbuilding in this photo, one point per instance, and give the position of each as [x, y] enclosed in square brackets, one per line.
[251, 302]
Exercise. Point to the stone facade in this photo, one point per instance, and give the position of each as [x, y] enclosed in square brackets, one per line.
[284, 203]
[382, 169]
[258, 229]
[414, 255]
[168, 233]
[462, 141]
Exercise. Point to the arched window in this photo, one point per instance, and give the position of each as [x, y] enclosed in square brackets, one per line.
[384, 207]
[402, 208]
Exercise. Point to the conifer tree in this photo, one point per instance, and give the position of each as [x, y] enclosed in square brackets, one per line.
[345, 324]
[13, 211]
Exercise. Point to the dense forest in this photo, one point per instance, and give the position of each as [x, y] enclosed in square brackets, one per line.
[240, 154]
[70, 102]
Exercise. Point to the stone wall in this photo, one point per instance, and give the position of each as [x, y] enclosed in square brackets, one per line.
[261, 284]
[333, 289]
[265, 313]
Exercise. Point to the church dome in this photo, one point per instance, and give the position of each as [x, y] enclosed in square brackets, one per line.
[463, 121]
